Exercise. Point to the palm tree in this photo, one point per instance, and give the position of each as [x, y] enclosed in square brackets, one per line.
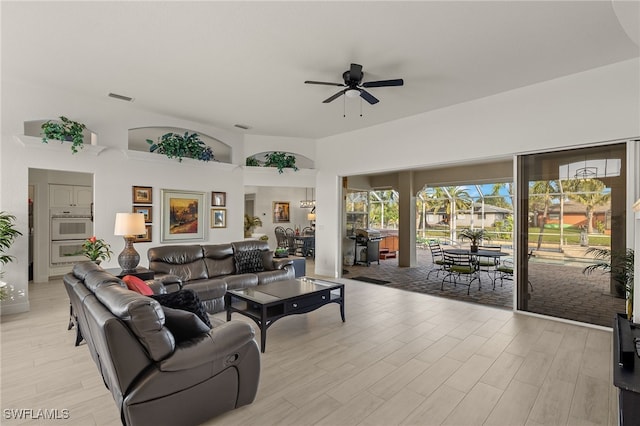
[547, 191]
[450, 199]
[589, 193]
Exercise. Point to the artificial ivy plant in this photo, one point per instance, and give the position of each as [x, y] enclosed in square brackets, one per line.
[281, 160]
[178, 146]
[64, 130]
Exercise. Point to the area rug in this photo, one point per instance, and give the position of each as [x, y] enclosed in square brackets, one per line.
[370, 280]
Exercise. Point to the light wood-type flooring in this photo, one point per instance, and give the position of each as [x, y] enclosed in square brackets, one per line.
[401, 358]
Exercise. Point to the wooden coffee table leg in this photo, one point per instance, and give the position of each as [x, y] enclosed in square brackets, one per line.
[263, 329]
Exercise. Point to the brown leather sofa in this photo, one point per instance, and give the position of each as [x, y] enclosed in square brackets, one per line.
[212, 269]
[157, 376]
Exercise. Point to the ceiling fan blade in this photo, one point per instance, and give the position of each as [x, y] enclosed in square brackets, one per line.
[325, 83]
[334, 97]
[355, 72]
[368, 97]
[384, 83]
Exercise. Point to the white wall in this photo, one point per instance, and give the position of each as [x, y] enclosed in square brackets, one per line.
[593, 106]
[115, 170]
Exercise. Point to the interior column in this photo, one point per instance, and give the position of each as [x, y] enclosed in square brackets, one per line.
[407, 220]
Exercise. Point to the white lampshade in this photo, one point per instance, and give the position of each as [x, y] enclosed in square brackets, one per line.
[311, 216]
[129, 224]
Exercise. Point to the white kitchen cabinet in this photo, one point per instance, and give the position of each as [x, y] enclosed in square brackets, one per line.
[70, 196]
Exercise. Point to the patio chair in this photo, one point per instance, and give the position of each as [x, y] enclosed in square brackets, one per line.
[459, 265]
[504, 271]
[437, 258]
[488, 264]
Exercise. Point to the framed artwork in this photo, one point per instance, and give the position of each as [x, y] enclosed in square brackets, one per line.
[218, 218]
[146, 237]
[182, 216]
[146, 211]
[142, 195]
[281, 212]
[218, 199]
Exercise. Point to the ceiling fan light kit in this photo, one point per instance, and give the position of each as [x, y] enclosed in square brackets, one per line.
[355, 87]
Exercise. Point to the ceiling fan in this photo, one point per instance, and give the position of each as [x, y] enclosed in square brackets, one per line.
[354, 86]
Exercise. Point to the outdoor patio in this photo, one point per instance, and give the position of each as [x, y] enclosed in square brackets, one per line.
[559, 290]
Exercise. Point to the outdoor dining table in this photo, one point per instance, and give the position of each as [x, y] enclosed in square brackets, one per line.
[489, 254]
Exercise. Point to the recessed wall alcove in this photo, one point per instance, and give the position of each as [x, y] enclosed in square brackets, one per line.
[302, 161]
[34, 128]
[138, 140]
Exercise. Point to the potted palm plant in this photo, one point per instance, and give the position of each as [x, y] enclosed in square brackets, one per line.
[250, 223]
[620, 265]
[8, 234]
[475, 236]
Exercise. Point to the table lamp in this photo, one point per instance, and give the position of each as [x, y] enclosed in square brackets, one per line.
[128, 225]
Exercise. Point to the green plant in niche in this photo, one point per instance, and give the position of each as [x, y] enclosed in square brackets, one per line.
[174, 145]
[251, 161]
[64, 130]
[281, 160]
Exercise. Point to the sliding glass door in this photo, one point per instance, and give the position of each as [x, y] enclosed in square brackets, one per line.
[570, 203]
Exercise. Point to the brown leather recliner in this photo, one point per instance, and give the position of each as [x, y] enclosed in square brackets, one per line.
[154, 377]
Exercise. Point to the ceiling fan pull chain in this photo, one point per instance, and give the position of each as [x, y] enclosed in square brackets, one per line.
[360, 107]
[344, 107]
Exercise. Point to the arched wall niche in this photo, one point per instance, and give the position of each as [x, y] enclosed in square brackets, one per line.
[302, 161]
[138, 140]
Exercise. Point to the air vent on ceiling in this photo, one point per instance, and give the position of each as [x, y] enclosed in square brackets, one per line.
[121, 97]
[242, 126]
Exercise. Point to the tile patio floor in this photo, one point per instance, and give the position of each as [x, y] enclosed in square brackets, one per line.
[558, 290]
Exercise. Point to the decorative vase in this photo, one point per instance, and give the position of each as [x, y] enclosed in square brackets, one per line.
[97, 261]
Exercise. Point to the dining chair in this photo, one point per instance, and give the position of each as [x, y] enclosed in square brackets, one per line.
[437, 258]
[458, 266]
[281, 237]
[291, 242]
[504, 271]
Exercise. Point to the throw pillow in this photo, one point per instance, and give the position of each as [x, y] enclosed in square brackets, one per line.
[248, 261]
[185, 299]
[136, 284]
[182, 324]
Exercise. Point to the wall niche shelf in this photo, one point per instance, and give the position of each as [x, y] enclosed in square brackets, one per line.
[161, 158]
[32, 142]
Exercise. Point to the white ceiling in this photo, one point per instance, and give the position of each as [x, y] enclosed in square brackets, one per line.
[223, 63]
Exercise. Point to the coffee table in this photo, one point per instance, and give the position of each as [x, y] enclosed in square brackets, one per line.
[265, 304]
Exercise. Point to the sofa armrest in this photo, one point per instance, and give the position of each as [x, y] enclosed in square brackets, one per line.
[157, 286]
[280, 263]
[221, 343]
[172, 283]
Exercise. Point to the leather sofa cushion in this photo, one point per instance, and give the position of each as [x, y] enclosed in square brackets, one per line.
[81, 269]
[218, 259]
[267, 277]
[101, 278]
[185, 262]
[144, 317]
[241, 281]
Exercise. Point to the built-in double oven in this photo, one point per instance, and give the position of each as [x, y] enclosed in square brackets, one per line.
[70, 227]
